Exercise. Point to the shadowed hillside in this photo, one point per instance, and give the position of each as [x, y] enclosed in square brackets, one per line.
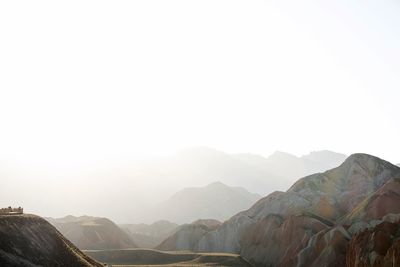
[377, 245]
[93, 233]
[28, 240]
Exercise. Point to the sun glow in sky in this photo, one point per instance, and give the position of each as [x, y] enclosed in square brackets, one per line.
[120, 79]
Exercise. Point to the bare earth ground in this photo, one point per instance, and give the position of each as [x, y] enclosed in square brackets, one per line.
[150, 257]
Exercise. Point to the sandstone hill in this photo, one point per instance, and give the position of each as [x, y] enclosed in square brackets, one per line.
[376, 246]
[93, 233]
[186, 236]
[312, 223]
[29, 240]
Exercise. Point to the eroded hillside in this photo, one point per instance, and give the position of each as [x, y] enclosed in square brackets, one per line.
[311, 223]
[28, 240]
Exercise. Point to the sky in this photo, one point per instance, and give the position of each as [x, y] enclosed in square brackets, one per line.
[98, 80]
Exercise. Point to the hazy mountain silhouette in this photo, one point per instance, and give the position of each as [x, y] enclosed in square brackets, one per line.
[28, 240]
[150, 235]
[311, 223]
[206, 165]
[254, 172]
[287, 168]
[215, 201]
[150, 181]
[91, 233]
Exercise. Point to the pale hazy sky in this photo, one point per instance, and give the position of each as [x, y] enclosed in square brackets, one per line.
[120, 79]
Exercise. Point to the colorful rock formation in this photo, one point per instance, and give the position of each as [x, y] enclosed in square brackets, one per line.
[312, 223]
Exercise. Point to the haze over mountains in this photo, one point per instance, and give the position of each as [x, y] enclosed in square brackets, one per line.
[311, 223]
[346, 216]
[150, 181]
[214, 201]
[277, 164]
[319, 220]
[150, 235]
[196, 133]
[254, 172]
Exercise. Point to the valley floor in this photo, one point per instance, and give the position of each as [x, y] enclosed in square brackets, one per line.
[150, 257]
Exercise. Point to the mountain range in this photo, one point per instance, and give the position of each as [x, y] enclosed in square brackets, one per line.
[312, 223]
[346, 216]
[149, 181]
[214, 201]
[254, 172]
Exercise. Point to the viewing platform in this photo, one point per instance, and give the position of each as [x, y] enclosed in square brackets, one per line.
[11, 211]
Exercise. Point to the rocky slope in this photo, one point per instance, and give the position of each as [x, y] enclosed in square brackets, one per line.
[28, 240]
[217, 201]
[383, 201]
[93, 233]
[376, 246]
[311, 223]
[149, 236]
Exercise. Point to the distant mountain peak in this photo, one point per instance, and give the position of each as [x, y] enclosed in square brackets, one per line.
[325, 156]
[214, 201]
[358, 165]
[323, 151]
[281, 154]
[361, 157]
[217, 184]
